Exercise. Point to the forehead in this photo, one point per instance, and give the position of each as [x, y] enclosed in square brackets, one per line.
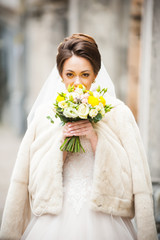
[75, 62]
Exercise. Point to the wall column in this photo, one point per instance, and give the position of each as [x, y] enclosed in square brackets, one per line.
[73, 17]
[149, 97]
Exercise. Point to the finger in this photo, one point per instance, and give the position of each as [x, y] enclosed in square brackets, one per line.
[68, 133]
[78, 131]
[65, 131]
[65, 127]
[76, 128]
[66, 124]
[79, 126]
[78, 122]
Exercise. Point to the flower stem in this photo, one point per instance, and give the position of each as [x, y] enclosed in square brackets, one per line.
[72, 144]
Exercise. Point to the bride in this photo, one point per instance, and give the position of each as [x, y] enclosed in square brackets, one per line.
[74, 196]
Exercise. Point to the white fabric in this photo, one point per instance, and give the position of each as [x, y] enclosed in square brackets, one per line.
[53, 84]
[76, 220]
[121, 180]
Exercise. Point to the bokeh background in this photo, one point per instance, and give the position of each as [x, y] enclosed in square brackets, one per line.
[128, 36]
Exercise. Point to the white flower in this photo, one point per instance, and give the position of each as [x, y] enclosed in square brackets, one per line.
[62, 104]
[72, 95]
[84, 100]
[83, 111]
[93, 113]
[99, 107]
[79, 91]
[72, 105]
[70, 112]
[102, 112]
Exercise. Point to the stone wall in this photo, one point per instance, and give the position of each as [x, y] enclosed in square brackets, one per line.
[149, 96]
[108, 22]
[45, 29]
[154, 120]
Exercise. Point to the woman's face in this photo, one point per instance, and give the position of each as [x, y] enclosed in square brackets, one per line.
[78, 70]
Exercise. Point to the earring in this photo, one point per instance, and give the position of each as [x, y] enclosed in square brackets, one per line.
[62, 80]
[94, 81]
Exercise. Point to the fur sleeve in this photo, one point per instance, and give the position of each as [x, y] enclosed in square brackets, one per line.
[142, 187]
[16, 214]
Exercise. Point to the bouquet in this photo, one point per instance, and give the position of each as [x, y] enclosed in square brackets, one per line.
[76, 104]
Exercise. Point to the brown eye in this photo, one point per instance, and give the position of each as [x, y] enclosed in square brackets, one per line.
[86, 75]
[69, 75]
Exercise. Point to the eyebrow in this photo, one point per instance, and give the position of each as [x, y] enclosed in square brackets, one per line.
[82, 71]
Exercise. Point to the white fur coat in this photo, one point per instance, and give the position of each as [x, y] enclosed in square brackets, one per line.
[121, 178]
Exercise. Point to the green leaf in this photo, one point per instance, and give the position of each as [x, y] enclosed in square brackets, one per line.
[62, 94]
[49, 118]
[63, 118]
[108, 108]
[98, 88]
[71, 98]
[103, 91]
[70, 88]
[59, 110]
[97, 118]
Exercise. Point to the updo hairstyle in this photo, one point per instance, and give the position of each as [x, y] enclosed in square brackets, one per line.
[80, 45]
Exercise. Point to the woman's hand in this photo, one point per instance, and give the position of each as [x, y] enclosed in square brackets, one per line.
[81, 128]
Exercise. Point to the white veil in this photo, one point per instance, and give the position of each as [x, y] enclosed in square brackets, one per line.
[53, 84]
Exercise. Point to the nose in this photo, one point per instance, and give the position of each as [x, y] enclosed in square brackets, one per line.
[77, 81]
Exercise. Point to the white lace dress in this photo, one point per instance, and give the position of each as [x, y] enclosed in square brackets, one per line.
[76, 220]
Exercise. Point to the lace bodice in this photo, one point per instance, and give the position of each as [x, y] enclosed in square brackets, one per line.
[77, 175]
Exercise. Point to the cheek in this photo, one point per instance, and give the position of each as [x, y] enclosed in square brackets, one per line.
[64, 80]
[67, 82]
[88, 83]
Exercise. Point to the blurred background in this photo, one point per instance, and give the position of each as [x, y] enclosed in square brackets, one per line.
[128, 36]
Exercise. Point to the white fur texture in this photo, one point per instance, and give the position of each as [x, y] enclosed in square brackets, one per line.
[121, 178]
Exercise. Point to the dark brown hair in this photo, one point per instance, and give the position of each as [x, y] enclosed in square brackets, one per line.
[81, 45]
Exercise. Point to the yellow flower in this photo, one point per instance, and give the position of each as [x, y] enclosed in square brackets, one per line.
[59, 98]
[91, 93]
[80, 86]
[102, 100]
[93, 101]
